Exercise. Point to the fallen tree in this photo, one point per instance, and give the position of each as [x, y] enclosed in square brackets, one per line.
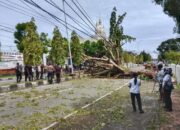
[102, 66]
[110, 65]
[106, 67]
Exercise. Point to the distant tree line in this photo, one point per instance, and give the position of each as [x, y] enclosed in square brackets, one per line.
[170, 51]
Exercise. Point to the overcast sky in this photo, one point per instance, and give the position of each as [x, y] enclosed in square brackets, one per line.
[145, 21]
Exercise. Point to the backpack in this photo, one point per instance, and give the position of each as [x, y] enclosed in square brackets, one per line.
[18, 69]
[168, 85]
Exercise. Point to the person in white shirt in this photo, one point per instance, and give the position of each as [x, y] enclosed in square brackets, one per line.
[134, 86]
[160, 76]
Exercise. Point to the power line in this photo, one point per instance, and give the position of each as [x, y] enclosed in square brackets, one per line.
[9, 28]
[84, 10]
[31, 9]
[1, 29]
[72, 18]
[78, 15]
[20, 11]
[47, 18]
[83, 14]
[56, 18]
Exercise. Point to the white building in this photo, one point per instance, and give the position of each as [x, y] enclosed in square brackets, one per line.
[10, 59]
[11, 56]
[99, 31]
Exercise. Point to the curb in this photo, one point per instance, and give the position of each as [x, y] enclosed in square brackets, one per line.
[6, 79]
[15, 87]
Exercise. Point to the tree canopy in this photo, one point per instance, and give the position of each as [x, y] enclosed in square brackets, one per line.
[76, 49]
[145, 56]
[172, 8]
[45, 41]
[32, 46]
[172, 57]
[57, 52]
[20, 34]
[169, 45]
[94, 48]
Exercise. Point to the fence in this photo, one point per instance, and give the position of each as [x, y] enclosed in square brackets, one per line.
[176, 71]
[131, 65]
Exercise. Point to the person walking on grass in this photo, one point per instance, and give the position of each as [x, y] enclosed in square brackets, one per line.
[134, 86]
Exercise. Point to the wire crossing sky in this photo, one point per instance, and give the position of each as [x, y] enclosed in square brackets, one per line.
[145, 21]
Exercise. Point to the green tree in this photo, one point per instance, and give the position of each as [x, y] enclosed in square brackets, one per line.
[94, 49]
[33, 48]
[46, 42]
[57, 52]
[129, 57]
[171, 8]
[172, 57]
[65, 45]
[76, 49]
[169, 45]
[112, 23]
[146, 56]
[117, 37]
[139, 59]
[126, 57]
[20, 34]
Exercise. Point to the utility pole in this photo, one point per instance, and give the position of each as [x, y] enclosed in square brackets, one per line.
[69, 45]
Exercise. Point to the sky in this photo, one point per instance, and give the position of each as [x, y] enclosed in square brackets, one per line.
[145, 20]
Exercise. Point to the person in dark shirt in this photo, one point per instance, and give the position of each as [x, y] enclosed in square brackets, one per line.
[42, 71]
[58, 73]
[26, 72]
[18, 73]
[30, 73]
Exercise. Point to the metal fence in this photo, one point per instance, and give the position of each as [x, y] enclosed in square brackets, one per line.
[176, 71]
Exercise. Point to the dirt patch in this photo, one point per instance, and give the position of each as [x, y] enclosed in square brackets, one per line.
[173, 117]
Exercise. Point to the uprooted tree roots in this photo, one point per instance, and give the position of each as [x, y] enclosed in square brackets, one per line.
[102, 67]
[105, 67]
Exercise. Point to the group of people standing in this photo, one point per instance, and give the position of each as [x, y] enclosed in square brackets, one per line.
[53, 70]
[164, 78]
[32, 73]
